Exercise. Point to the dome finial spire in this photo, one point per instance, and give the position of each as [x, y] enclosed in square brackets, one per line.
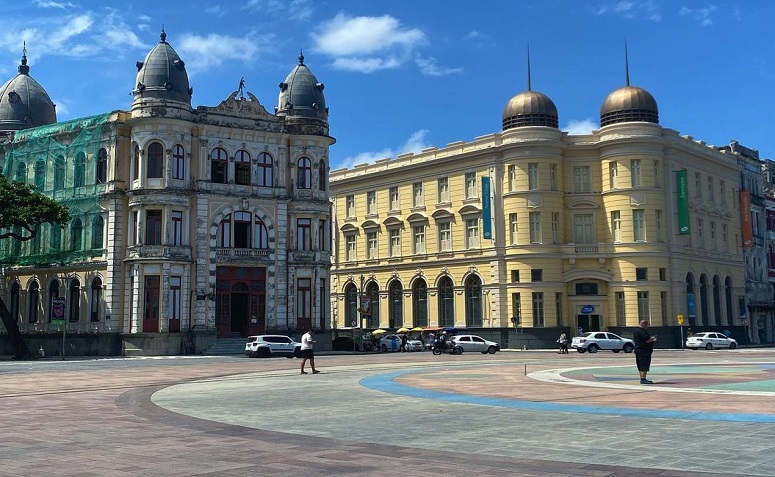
[626, 64]
[163, 35]
[23, 67]
[529, 86]
[301, 56]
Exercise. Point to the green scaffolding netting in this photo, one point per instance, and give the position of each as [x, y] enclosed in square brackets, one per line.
[66, 161]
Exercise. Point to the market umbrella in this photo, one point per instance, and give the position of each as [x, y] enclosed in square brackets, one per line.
[418, 329]
[402, 330]
[378, 332]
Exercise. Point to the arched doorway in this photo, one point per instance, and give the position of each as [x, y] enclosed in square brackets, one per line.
[446, 302]
[704, 309]
[473, 301]
[396, 305]
[690, 300]
[420, 303]
[372, 291]
[240, 301]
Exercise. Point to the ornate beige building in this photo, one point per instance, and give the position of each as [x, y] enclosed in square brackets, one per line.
[536, 227]
[211, 221]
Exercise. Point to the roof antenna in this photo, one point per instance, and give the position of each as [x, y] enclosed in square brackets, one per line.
[529, 87]
[626, 63]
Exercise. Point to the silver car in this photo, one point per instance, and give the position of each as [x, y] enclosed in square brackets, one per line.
[710, 340]
[471, 343]
[264, 346]
[594, 341]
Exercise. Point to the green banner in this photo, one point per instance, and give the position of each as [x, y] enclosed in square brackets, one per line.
[683, 202]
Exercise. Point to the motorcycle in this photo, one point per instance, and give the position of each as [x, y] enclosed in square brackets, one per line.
[441, 347]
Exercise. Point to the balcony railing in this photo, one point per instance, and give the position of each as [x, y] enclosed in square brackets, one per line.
[159, 251]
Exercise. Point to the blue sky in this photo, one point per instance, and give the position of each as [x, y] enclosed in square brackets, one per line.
[402, 75]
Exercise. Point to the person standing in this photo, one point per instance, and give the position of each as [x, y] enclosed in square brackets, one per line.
[431, 340]
[563, 341]
[403, 343]
[644, 347]
[307, 343]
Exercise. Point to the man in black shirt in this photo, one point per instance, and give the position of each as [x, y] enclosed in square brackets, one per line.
[644, 347]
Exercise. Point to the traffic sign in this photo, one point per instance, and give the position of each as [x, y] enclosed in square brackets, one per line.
[680, 319]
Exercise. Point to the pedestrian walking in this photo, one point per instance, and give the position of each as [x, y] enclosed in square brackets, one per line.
[581, 331]
[431, 340]
[644, 347]
[402, 347]
[307, 343]
[563, 341]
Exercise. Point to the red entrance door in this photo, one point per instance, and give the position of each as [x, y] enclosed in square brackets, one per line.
[240, 303]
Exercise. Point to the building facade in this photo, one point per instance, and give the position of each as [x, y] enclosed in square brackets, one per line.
[539, 229]
[204, 221]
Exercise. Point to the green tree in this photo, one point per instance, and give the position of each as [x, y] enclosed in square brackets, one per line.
[22, 211]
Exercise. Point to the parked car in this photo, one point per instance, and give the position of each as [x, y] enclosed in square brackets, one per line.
[471, 343]
[392, 342]
[264, 346]
[710, 340]
[414, 345]
[594, 341]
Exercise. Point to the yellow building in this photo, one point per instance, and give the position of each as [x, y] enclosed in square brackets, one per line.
[576, 230]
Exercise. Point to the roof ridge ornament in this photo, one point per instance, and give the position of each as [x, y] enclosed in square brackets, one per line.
[626, 64]
[163, 35]
[301, 56]
[23, 67]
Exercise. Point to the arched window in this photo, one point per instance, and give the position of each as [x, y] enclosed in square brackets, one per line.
[59, 173]
[97, 233]
[56, 306]
[178, 162]
[101, 172]
[420, 303]
[396, 304]
[322, 175]
[242, 168]
[155, 162]
[21, 172]
[136, 163]
[717, 300]
[95, 301]
[40, 174]
[224, 232]
[15, 298]
[473, 301]
[372, 292]
[33, 295]
[76, 235]
[242, 223]
[260, 235]
[704, 309]
[79, 169]
[264, 169]
[446, 302]
[56, 237]
[304, 175]
[350, 304]
[728, 299]
[219, 165]
[75, 300]
[691, 299]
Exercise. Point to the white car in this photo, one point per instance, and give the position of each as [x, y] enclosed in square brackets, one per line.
[471, 343]
[710, 340]
[594, 341]
[392, 342]
[264, 346]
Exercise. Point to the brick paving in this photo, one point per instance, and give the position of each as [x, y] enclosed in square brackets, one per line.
[240, 417]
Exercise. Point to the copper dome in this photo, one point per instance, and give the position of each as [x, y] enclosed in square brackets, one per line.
[530, 108]
[628, 104]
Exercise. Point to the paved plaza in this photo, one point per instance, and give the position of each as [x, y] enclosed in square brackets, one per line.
[533, 413]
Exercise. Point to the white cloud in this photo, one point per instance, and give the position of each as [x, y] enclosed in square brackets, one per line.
[215, 10]
[203, 52]
[580, 126]
[632, 9]
[61, 108]
[415, 144]
[51, 4]
[293, 9]
[429, 67]
[702, 15]
[366, 65]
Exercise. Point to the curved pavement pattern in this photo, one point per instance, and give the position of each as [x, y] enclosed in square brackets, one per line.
[560, 420]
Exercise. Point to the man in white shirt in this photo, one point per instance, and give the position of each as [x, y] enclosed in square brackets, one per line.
[306, 352]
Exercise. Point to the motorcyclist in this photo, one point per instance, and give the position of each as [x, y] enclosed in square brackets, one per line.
[442, 341]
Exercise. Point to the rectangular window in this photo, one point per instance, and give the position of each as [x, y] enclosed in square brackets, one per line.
[662, 274]
[538, 309]
[586, 288]
[657, 182]
[712, 235]
[151, 305]
[532, 176]
[445, 237]
[641, 274]
[700, 235]
[417, 195]
[553, 176]
[637, 176]
[555, 227]
[303, 303]
[174, 303]
[658, 226]
[303, 234]
[371, 202]
[663, 304]
[513, 229]
[371, 240]
[135, 237]
[512, 177]
[613, 174]
[395, 242]
[419, 239]
[471, 185]
[558, 307]
[537, 275]
[697, 185]
[722, 192]
[472, 233]
[350, 206]
[581, 179]
[643, 306]
[616, 226]
[394, 205]
[638, 225]
[725, 237]
[264, 242]
[177, 228]
[443, 190]
[621, 310]
[516, 309]
[583, 231]
[515, 276]
[178, 162]
[711, 195]
[153, 227]
[351, 251]
[535, 227]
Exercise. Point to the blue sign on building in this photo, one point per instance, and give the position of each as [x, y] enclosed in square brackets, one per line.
[587, 309]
